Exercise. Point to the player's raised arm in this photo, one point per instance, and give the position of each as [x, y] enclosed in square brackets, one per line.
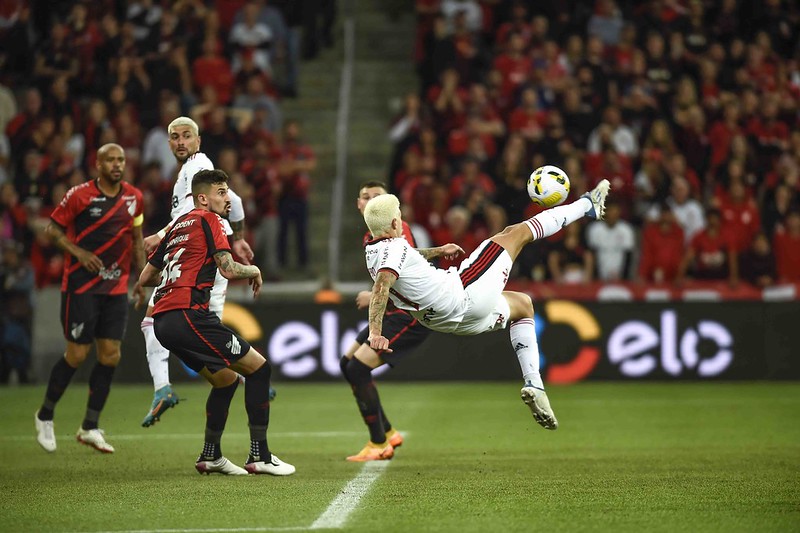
[377, 307]
[448, 251]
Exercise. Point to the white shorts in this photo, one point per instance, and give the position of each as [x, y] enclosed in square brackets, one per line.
[484, 275]
[218, 292]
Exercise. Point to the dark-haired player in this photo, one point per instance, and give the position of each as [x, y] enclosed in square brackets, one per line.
[360, 360]
[98, 224]
[184, 267]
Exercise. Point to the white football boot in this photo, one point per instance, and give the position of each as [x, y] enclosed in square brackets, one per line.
[220, 466]
[598, 198]
[275, 467]
[45, 433]
[536, 400]
[94, 438]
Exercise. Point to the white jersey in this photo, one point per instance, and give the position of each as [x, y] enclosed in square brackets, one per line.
[182, 201]
[433, 296]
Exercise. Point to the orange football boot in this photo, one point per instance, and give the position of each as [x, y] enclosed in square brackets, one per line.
[373, 452]
[394, 438]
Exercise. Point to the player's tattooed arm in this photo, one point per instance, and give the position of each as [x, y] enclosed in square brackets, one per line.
[87, 259]
[231, 269]
[377, 307]
[449, 251]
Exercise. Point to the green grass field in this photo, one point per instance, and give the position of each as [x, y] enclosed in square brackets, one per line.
[627, 457]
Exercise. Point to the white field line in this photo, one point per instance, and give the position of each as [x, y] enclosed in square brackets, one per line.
[214, 530]
[335, 516]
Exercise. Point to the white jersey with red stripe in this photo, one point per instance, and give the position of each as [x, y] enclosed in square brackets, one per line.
[433, 296]
[182, 201]
[438, 298]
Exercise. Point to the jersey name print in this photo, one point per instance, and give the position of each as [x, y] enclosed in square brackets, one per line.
[102, 225]
[186, 260]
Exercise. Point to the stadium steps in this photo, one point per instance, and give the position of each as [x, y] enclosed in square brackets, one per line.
[383, 74]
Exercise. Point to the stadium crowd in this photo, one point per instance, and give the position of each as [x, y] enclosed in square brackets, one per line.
[691, 108]
[75, 75]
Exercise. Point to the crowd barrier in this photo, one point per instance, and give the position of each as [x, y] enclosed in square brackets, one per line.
[671, 340]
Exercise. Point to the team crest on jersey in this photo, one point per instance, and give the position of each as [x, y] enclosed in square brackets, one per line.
[132, 207]
[76, 330]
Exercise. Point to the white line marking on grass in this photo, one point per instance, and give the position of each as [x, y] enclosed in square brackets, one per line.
[346, 502]
[224, 530]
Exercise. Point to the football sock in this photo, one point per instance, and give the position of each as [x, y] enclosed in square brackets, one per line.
[552, 220]
[60, 376]
[387, 426]
[523, 340]
[157, 355]
[99, 387]
[256, 401]
[217, 407]
[366, 394]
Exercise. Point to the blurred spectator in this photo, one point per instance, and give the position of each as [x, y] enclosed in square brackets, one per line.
[662, 248]
[569, 261]
[711, 254]
[456, 229]
[786, 244]
[612, 240]
[606, 22]
[778, 203]
[212, 68]
[757, 264]
[297, 161]
[740, 214]
[688, 211]
[252, 36]
[156, 143]
[16, 313]
[613, 133]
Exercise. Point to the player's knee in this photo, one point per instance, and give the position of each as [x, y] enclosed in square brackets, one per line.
[264, 373]
[357, 372]
[343, 366]
[109, 358]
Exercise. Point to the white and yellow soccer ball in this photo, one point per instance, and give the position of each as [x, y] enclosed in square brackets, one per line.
[548, 186]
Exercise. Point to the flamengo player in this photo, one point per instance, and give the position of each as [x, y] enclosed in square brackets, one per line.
[186, 262]
[184, 141]
[405, 332]
[98, 224]
[468, 300]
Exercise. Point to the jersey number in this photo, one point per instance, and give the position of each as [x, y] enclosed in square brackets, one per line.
[174, 201]
[172, 271]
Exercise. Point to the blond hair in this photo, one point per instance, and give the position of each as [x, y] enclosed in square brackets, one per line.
[183, 121]
[379, 213]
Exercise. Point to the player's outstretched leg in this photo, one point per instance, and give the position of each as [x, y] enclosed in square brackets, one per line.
[158, 362]
[163, 399]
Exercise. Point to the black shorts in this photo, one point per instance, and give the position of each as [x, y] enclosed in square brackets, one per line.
[85, 317]
[404, 332]
[199, 339]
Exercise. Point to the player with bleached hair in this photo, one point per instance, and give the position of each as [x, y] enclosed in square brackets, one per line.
[184, 141]
[469, 299]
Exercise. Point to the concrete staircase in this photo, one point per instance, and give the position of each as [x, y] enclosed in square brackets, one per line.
[383, 74]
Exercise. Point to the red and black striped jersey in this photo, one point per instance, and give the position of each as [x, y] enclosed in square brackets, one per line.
[102, 225]
[406, 233]
[185, 258]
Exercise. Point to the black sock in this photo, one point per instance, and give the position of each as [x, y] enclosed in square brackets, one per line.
[99, 387]
[387, 426]
[369, 404]
[217, 406]
[256, 401]
[60, 376]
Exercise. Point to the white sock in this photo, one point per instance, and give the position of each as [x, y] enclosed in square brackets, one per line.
[157, 355]
[551, 221]
[523, 340]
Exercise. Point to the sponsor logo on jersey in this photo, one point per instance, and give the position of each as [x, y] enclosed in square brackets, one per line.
[184, 224]
[177, 240]
[112, 272]
[98, 199]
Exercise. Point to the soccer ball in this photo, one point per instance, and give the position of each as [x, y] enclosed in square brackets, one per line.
[548, 186]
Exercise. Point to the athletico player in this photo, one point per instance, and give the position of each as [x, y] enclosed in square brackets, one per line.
[98, 224]
[186, 262]
[468, 300]
[184, 141]
[405, 332]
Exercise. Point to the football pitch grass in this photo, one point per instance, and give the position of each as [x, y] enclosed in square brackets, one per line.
[627, 457]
